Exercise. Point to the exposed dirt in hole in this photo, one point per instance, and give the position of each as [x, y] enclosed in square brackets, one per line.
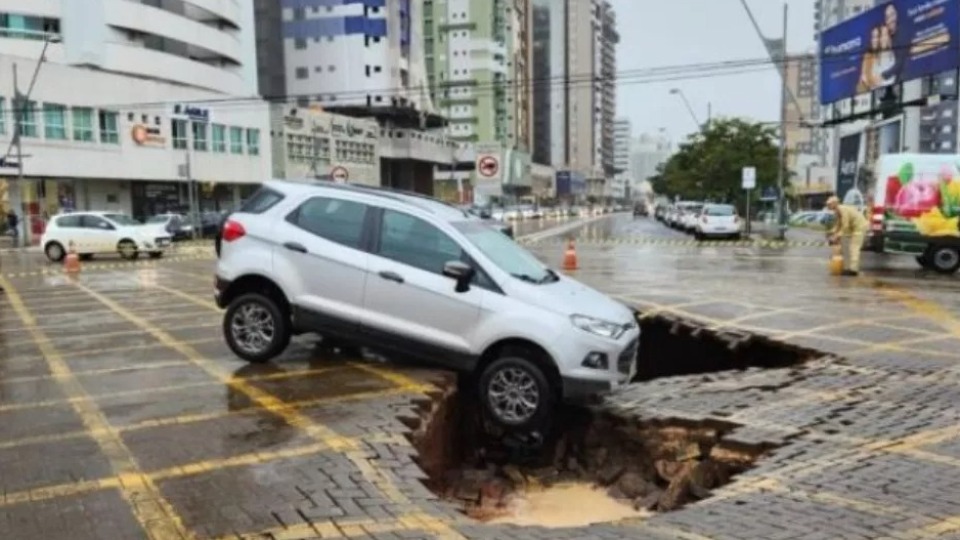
[611, 467]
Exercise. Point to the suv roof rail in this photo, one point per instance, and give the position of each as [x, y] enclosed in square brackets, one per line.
[388, 192]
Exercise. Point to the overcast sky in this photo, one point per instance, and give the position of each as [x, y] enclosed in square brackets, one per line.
[655, 33]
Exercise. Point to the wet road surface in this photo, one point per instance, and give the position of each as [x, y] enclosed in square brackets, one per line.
[123, 415]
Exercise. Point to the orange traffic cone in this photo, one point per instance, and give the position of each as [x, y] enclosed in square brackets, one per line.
[570, 257]
[71, 263]
[836, 259]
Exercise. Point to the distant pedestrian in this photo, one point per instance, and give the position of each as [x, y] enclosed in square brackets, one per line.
[851, 224]
[13, 227]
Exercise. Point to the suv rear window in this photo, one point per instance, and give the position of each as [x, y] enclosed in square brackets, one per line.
[261, 201]
[719, 211]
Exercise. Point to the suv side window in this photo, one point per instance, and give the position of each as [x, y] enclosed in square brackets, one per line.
[414, 242]
[261, 201]
[335, 220]
[70, 222]
[95, 222]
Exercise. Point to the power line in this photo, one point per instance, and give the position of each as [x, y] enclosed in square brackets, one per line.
[653, 75]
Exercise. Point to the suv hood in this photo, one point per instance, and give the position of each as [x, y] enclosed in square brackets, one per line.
[570, 297]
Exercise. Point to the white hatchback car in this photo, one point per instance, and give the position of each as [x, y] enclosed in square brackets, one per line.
[97, 233]
[408, 275]
[718, 220]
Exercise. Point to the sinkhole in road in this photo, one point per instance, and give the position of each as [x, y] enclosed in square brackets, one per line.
[595, 466]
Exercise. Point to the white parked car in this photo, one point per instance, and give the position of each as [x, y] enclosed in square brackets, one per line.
[364, 266]
[691, 213]
[99, 233]
[718, 220]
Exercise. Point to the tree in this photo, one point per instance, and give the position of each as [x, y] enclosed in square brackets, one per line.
[708, 166]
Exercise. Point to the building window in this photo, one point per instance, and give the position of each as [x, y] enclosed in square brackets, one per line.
[179, 130]
[299, 44]
[302, 73]
[109, 130]
[219, 139]
[199, 136]
[83, 124]
[253, 142]
[28, 118]
[3, 123]
[54, 121]
[236, 140]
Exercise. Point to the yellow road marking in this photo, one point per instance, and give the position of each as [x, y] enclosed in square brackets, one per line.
[23, 359]
[104, 371]
[118, 333]
[159, 389]
[184, 419]
[930, 310]
[158, 520]
[291, 416]
[127, 265]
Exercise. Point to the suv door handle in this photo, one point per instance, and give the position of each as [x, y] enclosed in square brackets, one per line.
[294, 246]
[391, 276]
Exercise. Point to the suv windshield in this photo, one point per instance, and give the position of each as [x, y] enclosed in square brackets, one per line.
[121, 219]
[505, 253]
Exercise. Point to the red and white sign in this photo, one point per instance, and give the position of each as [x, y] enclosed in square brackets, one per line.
[488, 166]
[339, 174]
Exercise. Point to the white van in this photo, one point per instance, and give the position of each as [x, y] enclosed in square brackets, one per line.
[916, 209]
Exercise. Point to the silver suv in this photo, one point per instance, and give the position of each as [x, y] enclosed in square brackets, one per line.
[412, 276]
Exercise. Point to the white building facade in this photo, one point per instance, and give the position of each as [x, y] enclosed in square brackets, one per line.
[356, 54]
[647, 153]
[133, 102]
[622, 137]
[310, 143]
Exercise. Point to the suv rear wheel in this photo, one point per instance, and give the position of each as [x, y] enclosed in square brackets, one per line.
[516, 393]
[255, 328]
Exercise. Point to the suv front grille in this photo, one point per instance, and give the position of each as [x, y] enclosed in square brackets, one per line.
[629, 355]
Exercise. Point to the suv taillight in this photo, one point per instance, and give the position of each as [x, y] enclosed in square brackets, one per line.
[232, 230]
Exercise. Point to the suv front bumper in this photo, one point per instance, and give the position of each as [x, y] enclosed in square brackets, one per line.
[581, 383]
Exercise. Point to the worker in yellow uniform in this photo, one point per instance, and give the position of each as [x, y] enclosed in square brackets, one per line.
[853, 225]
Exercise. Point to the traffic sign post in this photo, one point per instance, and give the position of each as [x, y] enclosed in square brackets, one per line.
[488, 166]
[749, 180]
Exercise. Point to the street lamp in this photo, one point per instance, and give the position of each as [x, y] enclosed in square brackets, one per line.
[21, 102]
[777, 50]
[686, 102]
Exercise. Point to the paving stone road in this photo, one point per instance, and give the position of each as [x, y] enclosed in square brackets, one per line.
[122, 414]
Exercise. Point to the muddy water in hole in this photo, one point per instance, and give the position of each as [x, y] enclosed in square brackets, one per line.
[566, 505]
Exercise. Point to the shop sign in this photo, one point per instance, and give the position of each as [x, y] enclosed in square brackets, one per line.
[145, 135]
[191, 112]
[293, 122]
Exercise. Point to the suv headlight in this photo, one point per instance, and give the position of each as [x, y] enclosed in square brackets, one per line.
[598, 327]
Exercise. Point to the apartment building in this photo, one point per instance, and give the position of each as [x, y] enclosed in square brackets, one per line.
[134, 103]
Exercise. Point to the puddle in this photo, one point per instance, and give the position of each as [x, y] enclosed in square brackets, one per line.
[565, 505]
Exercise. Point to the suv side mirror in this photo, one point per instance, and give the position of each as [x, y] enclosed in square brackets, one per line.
[461, 272]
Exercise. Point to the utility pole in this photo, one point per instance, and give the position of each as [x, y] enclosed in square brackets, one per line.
[191, 196]
[315, 162]
[18, 110]
[782, 162]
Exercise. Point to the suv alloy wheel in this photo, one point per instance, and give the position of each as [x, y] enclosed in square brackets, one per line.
[516, 393]
[255, 328]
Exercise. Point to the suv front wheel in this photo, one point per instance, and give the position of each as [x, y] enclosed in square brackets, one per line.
[516, 393]
[255, 328]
